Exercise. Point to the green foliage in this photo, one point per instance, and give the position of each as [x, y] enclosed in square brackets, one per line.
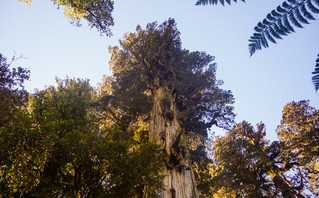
[203, 170]
[12, 93]
[299, 132]
[241, 163]
[60, 148]
[315, 78]
[133, 168]
[299, 128]
[96, 12]
[19, 162]
[280, 21]
[153, 58]
[215, 2]
[245, 164]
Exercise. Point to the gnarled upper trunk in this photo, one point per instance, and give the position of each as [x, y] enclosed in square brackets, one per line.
[166, 131]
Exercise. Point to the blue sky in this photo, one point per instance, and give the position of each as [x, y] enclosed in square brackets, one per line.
[262, 84]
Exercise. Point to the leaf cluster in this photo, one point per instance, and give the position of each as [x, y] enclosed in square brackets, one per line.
[98, 13]
[280, 21]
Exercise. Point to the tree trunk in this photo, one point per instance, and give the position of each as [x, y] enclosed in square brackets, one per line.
[165, 130]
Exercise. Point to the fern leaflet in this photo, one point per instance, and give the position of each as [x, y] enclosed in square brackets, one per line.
[315, 78]
[215, 2]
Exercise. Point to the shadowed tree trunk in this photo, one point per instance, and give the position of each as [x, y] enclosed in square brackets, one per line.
[166, 131]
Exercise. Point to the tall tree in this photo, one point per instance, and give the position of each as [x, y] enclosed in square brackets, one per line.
[175, 90]
[98, 13]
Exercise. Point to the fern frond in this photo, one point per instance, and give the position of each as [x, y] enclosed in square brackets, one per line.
[311, 7]
[305, 12]
[315, 78]
[280, 21]
[215, 2]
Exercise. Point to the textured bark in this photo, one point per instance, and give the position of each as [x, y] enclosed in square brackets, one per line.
[166, 131]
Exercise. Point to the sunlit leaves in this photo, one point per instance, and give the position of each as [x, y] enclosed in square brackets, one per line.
[315, 78]
[28, 2]
[299, 134]
[299, 128]
[60, 147]
[280, 21]
[98, 13]
[241, 163]
[246, 165]
[153, 57]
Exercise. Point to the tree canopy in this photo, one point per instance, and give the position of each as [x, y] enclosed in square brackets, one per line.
[12, 93]
[97, 13]
[153, 58]
[73, 140]
[58, 147]
[245, 164]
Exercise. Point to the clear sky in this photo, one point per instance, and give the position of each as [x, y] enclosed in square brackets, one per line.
[262, 84]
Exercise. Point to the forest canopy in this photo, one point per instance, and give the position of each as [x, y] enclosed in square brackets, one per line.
[74, 140]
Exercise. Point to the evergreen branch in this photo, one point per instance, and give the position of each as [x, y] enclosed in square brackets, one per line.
[315, 78]
[280, 22]
[215, 2]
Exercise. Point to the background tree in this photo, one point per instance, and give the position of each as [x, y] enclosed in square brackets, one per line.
[12, 93]
[279, 22]
[247, 165]
[237, 157]
[299, 132]
[59, 147]
[173, 89]
[98, 13]
[13, 99]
